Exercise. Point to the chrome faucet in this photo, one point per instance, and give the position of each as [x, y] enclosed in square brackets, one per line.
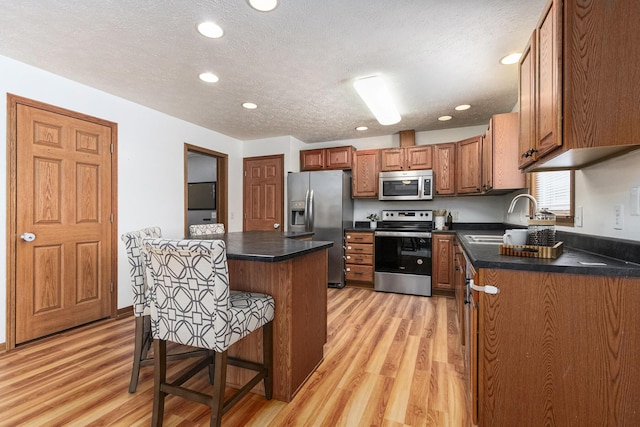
[533, 200]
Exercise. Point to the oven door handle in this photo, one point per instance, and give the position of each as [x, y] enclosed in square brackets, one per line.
[422, 234]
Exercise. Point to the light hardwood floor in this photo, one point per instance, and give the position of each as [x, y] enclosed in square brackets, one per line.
[390, 360]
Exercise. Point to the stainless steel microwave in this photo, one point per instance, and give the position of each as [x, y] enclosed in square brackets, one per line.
[409, 185]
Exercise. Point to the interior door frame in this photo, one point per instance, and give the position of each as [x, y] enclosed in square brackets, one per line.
[12, 197]
[222, 197]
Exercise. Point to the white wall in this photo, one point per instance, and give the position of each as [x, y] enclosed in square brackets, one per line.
[150, 159]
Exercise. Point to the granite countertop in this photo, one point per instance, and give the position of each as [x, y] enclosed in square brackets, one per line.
[266, 246]
[571, 261]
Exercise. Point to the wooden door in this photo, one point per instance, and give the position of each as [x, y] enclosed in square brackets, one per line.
[444, 168]
[419, 157]
[442, 261]
[527, 139]
[365, 173]
[548, 86]
[263, 193]
[64, 193]
[391, 159]
[468, 165]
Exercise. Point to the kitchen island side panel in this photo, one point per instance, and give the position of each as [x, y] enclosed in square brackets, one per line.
[298, 286]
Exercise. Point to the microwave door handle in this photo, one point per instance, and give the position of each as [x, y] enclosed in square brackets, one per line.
[420, 187]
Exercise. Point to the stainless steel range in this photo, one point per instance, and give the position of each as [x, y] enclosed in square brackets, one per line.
[403, 252]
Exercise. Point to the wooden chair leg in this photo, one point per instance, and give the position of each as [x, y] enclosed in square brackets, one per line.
[159, 378]
[138, 349]
[219, 385]
[267, 358]
[212, 366]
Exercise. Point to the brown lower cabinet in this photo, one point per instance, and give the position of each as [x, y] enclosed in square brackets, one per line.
[358, 257]
[442, 262]
[555, 349]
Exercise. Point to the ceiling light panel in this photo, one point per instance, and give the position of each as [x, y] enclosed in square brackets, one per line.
[211, 30]
[512, 58]
[445, 118]
[263, 5]
[374, 92]
[208, 77]
[463, 107]
[250, 105]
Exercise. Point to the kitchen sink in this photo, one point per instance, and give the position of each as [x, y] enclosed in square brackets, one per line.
[485, 239]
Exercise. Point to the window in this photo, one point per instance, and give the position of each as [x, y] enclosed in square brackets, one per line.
[554, 191]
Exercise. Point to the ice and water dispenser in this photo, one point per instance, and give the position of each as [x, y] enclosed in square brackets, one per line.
[296, 215]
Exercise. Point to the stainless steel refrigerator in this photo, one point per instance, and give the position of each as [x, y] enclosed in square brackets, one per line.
[321, 202]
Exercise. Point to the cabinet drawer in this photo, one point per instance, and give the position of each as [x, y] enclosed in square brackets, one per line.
[359, 237]
[359, 273]
[357, 248]
[358, 258]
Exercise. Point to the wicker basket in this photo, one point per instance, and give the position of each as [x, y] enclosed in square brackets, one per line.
[532, 251]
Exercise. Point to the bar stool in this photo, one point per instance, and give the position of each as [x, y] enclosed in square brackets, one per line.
[205, 229]
[141, 302]
[192, 305]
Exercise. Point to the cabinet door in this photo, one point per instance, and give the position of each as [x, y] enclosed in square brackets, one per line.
[444, 168]
[365, 173]
[419, 157]
[468, 166]
[487, 158]
[548, 80]
[506, 174]
[339, 157]
[392, 159]
[442, 253]
[527, 138]
[459, 283]
[311, 160]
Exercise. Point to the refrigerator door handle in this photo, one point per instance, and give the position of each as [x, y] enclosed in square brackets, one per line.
[306, 210]
[311, 212]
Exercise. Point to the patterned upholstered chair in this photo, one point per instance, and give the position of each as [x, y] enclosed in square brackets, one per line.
[192, 305]
[205, 229]
[141, 303]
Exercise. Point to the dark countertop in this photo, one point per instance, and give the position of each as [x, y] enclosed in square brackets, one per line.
[569, 262]
[297, 234]
[266, 246]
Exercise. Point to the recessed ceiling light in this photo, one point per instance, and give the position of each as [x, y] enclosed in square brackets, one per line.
[444, 118]
[250, 105]
[263, 5]
[463, 107]
[211, 30]
[373, 91]
[512, 58]
[209, 77]
[362, 128]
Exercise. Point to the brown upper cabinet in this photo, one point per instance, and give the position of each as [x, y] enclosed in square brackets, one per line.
[366, 166]
[406, 158]
[327, 158]
[444, 172]
[582, 65]
[469, 165]
[500, 155]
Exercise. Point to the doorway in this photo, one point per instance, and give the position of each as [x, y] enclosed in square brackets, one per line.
[62, 220]
[205, 192]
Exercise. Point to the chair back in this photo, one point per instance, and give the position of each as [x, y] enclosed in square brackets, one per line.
[137, 268]
[190, 292]
[205, 229]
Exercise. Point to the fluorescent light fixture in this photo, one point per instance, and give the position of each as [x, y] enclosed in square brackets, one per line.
[250, 105]
[375, 94]
[512, 58]
[361, 128]
[209, 77]
[211, 30]
[263, 5]
[444, 118]
[463, 107]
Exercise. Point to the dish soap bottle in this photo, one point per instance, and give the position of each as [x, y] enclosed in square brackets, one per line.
[449, 222]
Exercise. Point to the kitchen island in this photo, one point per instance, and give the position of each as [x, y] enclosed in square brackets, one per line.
[294, 273]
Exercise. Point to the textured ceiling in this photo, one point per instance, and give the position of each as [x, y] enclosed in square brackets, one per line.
[297, 63]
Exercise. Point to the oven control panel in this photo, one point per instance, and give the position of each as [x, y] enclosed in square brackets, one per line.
[408, 215]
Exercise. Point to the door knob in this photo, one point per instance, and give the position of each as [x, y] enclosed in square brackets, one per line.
[28, 237]
[276, 225]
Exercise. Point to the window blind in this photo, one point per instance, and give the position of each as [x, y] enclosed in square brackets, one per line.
[553, 191]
